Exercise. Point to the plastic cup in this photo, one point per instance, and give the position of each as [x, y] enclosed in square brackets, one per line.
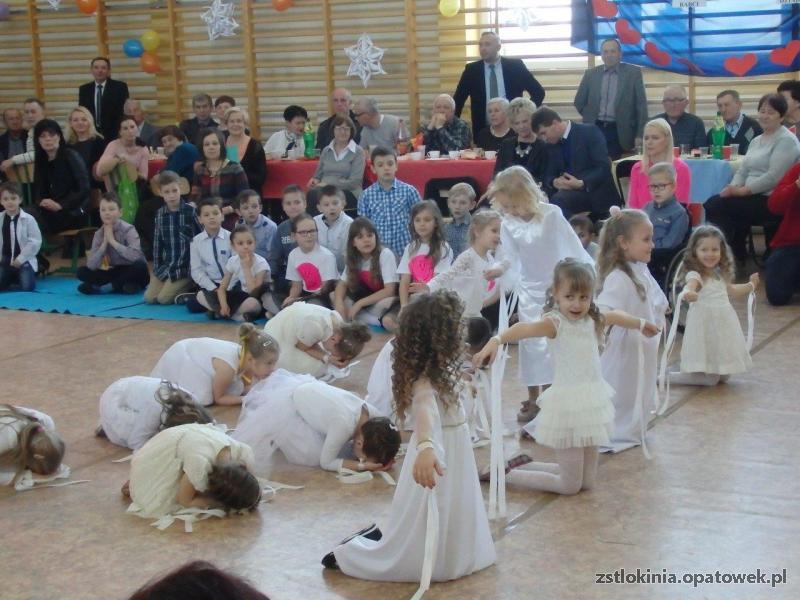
[454, 154]
[703, 151]
[416, 155]
[686, 149]
[434, 154]
[491, 154]
[726, 152]
[421, 149]
[734, 150]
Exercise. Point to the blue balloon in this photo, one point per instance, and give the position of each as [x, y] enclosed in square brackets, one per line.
[133, 48]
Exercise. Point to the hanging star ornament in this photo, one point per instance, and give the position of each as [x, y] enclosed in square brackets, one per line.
[365, 59]
[219, 20]
[54, 4]
[522, 17]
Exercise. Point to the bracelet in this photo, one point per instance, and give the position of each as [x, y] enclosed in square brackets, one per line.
[425, 446]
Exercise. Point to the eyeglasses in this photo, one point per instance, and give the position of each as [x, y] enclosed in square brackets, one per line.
[341, 128]
[306, 232]
[674, 100]
[657, 187]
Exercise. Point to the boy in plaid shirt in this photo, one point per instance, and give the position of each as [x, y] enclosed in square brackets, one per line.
[175, 226]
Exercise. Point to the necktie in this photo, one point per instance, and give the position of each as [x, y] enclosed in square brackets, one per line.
[216, 260]
[565, 152]
[98, 100]
[493, 92]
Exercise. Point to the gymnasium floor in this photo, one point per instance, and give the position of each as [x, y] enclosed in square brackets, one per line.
[722, 492]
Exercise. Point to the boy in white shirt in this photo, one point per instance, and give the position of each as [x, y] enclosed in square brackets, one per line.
[209, 252]
[20, 240]
[333, 224]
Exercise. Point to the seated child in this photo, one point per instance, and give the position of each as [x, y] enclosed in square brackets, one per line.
[669, 218]
[116, 255]
[293, 203]
[311, 268]
[20, 240]
[312, 423]
[248, 207]
[332, 223]
[246, 273]
[134, 409]
[218, 371]
[584, 229]
[209, 251]
[175, 227]
[28, 442]
[461, 202]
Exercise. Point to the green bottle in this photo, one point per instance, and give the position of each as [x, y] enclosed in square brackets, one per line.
[308, 139]
[718, 137]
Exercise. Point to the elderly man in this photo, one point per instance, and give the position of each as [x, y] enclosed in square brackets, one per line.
[342, 101]
[148, 133]
[577, 176]
[612, 96]
[12, 142]
[104, 98]
[739, 128]
[191, 128]
[493, 77]
[376, 129]
[33, 112]
[445, 131]
[686, 127]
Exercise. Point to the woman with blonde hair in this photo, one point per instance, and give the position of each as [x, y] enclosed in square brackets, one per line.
[83, 137]
[242, 148]
[524, 148]
[657, 144]
[532, 228]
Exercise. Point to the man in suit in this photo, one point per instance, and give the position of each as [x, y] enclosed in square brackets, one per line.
[578, 176]
[493, 77]
[104, 98]
[686, 127]
[342, 101]
[612, 96]
[739, 128]
[12, 142]
[191, 128]
[148, 133]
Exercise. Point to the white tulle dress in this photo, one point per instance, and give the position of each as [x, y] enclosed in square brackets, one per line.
[713, 341]
[576, 411]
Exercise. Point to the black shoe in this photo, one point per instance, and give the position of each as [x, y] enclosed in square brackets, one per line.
[99, 432]
[370, 532]
[88, 289]
[212, 315]
[250, 317]
[183, 299]
[130, 288]
[329, 561]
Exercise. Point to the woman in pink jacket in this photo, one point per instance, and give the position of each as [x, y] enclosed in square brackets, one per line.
[657, 148]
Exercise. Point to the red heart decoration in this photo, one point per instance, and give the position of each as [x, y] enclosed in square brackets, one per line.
[785, 56]
[604, 8]
[659, 57]
[627, 35]
[740, 65]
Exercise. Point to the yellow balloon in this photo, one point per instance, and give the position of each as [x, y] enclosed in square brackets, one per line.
[449, 8]
[150, 40]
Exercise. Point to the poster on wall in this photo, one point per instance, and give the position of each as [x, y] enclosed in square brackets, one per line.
[710, 38]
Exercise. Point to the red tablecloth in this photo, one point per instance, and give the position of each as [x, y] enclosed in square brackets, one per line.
[281, 173]
[154, 165]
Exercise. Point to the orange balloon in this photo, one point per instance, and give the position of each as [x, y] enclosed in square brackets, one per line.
[282, 5]
[87, 7]
[149, 62]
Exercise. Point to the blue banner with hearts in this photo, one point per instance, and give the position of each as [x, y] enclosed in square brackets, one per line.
[708, 38]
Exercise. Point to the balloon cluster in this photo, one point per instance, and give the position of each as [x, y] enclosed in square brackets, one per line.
[145, 50]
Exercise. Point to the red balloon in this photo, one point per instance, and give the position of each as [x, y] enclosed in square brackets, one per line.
[282, 5]
[87, 7]
[149, 62]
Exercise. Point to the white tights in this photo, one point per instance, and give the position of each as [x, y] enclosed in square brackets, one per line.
[709, 379]
[575, 469]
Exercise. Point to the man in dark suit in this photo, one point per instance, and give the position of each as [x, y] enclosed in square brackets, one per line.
[578, 177]
[12, 142]
[148, 133]
[191, 128]
[493, 77]
[104, 98]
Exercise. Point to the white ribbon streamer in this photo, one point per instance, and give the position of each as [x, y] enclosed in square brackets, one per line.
[28, 481]
[639, 411]
[349, 476]
[663, 378]
[431, 540]
[189, 516]
[751, 319]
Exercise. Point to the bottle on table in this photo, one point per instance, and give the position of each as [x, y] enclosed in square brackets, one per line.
[402, 139]
[718, 137]
[308, 139]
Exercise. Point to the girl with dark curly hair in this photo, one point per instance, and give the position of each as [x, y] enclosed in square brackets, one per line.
[438, 487]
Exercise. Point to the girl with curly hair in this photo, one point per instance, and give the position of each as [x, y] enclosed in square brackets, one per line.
[439, 481]
[713, 345]
[576, 413]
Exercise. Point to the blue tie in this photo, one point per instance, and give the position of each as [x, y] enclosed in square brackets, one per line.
[98, 100]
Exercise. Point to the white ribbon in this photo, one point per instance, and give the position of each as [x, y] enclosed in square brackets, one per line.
[482, 393]
[125, 459]
[28, 481]
[663, 378]
[751, 319]
[189, 516]
[431, 540]
[349, 476]
[333, 372]
[639, 411]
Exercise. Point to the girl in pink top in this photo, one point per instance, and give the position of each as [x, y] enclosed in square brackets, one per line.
[657, 148]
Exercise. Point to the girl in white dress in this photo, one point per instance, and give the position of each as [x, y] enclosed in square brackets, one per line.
[245, 275]
[311, 337]
[28, 441]
[439, 480]
[367, 289]
[534, 237]
[428, 254]
[312, 422]
[134, 409]
[191, 466]
[472, 275]
[576, 413]
[218, 371]
[713, 346]
[625, 283]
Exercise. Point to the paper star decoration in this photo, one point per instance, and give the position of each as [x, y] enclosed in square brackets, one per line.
[522, 17]
[55, 4]
[365, 59]
[219, 20]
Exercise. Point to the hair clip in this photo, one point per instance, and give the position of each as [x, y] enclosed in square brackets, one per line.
[393, 427]
[38, 456]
